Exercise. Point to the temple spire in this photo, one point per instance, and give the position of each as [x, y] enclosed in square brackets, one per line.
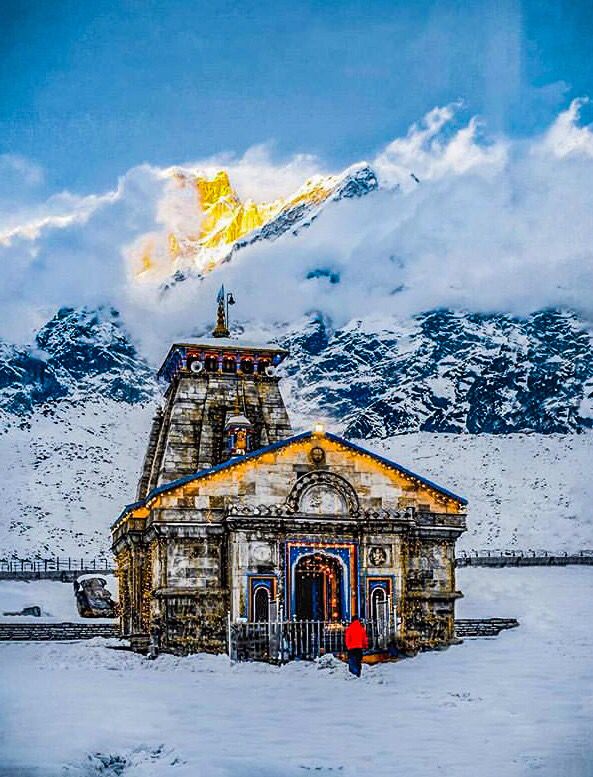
[221, 329]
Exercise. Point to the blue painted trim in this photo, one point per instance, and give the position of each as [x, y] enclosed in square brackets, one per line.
[225, 465]
[265, 579]
[126, 510]
[298, 551]
[282, 444]
[368, 581]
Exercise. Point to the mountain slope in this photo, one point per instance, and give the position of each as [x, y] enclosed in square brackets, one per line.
[79, 354]
[68, 476]
[487, 405]
[74, 409]
[445, 371]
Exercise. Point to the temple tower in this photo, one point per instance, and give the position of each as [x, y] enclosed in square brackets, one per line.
[221, 400]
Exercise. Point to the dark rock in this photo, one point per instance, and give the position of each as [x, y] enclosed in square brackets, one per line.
[35, 611]
[81, 353]
[446, 371]
[93, 600]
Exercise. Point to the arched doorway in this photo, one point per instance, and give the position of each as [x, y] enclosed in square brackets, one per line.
[379, 604]
[261, 603]
[318, 587]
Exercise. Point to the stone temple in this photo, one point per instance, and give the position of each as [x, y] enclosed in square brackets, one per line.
[239, 520]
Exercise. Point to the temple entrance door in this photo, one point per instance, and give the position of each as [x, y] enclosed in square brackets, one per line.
[318, 588]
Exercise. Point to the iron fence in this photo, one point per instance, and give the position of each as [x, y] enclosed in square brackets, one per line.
[492, 557]
[56, 564]
[279, 641]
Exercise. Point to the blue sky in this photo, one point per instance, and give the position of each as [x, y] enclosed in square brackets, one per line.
[90, 89]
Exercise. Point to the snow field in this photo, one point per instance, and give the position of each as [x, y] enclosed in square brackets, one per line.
[56, 599]
[525, 491]
[515, 705]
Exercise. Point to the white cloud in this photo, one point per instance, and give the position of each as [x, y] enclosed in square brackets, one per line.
[494, 224]
[21, 169]
[565, 137]
[429, 156]
[58, 212]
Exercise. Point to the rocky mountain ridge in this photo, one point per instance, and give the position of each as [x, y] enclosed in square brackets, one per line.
[78, 354]
[440, 371]
[446, 371]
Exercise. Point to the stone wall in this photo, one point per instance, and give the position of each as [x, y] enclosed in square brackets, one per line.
[430, 595]
[188, 435]
[22, 632]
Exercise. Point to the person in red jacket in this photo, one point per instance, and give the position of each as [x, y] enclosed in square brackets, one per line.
[356, 641]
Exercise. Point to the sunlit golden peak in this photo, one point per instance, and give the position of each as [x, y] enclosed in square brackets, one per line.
[224, 219]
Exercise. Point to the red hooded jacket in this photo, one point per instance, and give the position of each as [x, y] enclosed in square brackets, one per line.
[356, 636]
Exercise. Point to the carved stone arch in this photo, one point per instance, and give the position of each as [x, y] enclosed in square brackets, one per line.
[322, 492]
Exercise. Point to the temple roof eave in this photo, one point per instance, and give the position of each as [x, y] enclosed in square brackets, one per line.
[227, 465]
[215, 343]
[223, 344]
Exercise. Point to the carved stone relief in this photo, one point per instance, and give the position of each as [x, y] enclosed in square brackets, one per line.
[378, 556]
[323, 493]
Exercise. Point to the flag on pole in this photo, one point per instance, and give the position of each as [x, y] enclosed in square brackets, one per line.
[220, 297]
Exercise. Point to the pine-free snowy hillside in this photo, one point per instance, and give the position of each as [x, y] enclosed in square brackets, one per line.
[74, 410]
[494, 407]
[69, 475]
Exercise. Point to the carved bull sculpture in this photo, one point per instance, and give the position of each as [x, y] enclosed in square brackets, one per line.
[93, 600]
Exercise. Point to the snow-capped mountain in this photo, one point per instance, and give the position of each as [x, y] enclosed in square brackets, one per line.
[444, 371]
[228, 224]
[79, 354]
[306, 205]
[479, 396]
[440, 371]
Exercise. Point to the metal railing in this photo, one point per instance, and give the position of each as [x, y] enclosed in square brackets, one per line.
[51, 566]
[491, 557]
[280, 641]
[283, 641]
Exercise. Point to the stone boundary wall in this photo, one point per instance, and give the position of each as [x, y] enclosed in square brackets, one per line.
[483, 627]
[21, 632]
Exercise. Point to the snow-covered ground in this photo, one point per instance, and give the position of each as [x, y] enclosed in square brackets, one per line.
[527, 491]
[56, 599]
[67, 477]
[519, 704]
